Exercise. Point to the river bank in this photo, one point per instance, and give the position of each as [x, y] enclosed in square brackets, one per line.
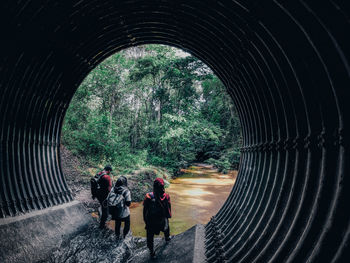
[78, 173]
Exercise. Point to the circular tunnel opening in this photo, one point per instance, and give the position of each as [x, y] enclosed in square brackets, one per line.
[285, 64]
[154, 111]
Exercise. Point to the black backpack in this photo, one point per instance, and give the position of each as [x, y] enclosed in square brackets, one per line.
[155, 217]
[156, 211]
[95, 185]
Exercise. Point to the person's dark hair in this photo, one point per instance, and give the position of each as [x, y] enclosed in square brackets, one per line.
[122, 180]
[108, 168]
[158, 186]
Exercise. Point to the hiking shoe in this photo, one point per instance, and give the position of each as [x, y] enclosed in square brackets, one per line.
[167, 239]
[153, 255]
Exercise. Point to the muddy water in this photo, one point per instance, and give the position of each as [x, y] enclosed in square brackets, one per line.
[195, 196]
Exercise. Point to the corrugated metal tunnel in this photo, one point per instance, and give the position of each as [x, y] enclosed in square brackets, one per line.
[286, 66]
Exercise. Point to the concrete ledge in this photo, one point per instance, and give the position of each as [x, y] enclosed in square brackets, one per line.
[33, 236]
[187, 247]
[199, 245]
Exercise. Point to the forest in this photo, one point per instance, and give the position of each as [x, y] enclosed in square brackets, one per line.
[153, 105]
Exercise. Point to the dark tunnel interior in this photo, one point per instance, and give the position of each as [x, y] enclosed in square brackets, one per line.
[284, 63]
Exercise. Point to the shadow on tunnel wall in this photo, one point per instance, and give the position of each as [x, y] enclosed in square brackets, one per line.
[285, 65]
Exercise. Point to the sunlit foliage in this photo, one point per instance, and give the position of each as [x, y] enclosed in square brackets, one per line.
[153, 105]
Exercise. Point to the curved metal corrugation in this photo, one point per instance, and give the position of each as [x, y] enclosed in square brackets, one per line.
[285, 65]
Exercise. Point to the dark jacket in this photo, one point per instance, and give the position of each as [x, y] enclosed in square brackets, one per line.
[105, 184]
[159, 198]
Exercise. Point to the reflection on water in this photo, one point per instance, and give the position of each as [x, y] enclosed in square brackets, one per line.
[195, 196]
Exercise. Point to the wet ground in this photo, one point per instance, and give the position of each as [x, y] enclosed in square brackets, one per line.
[94, 245]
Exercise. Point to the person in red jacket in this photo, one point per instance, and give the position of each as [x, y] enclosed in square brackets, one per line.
[156, 213]
[105, 183]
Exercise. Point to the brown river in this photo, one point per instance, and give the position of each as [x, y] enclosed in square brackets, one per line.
[196, 196]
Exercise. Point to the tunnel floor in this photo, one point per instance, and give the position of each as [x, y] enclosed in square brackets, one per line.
[95, 245]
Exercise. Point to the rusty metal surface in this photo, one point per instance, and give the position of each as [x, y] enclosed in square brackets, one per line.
[284, 63]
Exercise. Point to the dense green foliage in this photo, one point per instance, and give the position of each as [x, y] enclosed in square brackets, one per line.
[151, 105]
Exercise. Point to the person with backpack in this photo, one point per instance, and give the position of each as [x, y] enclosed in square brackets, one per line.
[101, 185]
[118, 203]
[156, 213]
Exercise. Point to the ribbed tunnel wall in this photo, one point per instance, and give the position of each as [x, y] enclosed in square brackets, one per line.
[286, 66]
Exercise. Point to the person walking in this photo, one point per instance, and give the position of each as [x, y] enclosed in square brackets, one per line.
[156, 213]
[123, 214]
[105, 185]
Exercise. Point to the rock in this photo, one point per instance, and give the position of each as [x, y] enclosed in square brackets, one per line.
[179, 250]
[94, 245]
